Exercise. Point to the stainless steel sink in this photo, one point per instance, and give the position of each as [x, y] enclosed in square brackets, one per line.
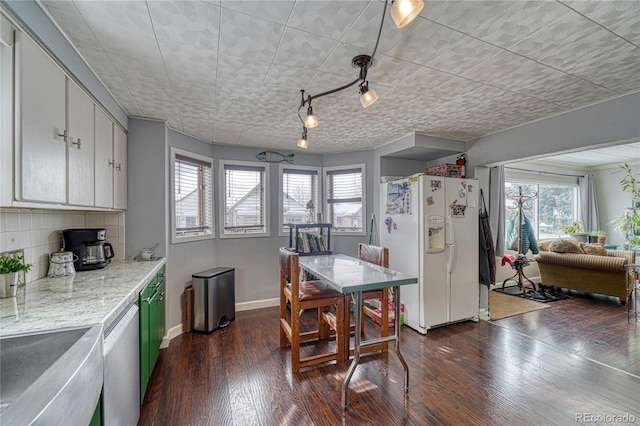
[52, 377]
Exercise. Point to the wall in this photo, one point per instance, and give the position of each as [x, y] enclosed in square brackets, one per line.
[39, 232]
[611, 199]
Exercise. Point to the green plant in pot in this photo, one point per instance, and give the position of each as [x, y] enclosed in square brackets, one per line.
[10, 266]
[575, 231]
[631, 183]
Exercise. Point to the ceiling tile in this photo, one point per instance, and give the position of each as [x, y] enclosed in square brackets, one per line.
[329, 19]
[248, 37]
[465, 16]
[424, 80]
[364, 31]
[74, 24]
[462, 56]
[66, 5]
[250, 73]
[424, 41]
[276, 11]
[124, 30]
[339, 61]
[390, 71]
[291, 77]
[98, 60]
[620, 17]
[324, 81]
[494, 66]
[520, 20]
[303, 50]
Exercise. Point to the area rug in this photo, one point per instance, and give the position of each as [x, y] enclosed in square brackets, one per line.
[544, 294]
[502, 305]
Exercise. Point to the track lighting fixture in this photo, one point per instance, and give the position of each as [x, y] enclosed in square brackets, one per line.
[367, 96]
[302, 142]
[402, 13]
[310, 121]
[405, 11]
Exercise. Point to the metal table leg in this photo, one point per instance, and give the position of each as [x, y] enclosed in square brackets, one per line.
[356, 349]
[396, 301]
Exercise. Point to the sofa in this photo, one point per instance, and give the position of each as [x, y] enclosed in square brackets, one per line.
[603, 274]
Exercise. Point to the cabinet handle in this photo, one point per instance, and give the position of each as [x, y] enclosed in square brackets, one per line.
[63, 135]
[146, 300]
[161, 297]
[111, 163]
[118, 167]
[77, 142]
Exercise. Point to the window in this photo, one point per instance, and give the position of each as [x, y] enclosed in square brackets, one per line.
[345, 198]
[555, 206]
[299, 198]
[245, 203]
[192, 197]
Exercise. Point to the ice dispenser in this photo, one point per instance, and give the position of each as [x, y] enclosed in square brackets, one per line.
[436, 238]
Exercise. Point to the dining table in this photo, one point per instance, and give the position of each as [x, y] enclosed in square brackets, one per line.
[352, 276]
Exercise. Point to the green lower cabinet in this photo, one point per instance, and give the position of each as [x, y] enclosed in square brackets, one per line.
[96, 420]
[143, 304]
[152, 316]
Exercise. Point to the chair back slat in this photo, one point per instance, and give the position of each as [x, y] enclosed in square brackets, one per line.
[374, 254]
[285, 258]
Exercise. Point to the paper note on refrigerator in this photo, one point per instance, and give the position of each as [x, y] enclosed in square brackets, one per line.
[471, 197]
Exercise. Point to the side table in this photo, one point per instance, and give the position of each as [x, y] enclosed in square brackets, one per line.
[633, 290]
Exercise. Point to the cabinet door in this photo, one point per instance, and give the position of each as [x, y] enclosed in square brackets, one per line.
[120, 171]
[40, 119]
[80, 140]
[103, 159]
[145, 372]
[154, 326]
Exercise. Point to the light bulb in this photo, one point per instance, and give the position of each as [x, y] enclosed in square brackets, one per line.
[310, 121]
[303, 143]
[367, 96]
[405, 11]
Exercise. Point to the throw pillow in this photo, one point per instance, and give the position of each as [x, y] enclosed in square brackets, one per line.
[544, 245]
[593, 249]
[565, 246]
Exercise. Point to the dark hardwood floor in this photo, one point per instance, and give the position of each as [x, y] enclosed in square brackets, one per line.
[546, 367]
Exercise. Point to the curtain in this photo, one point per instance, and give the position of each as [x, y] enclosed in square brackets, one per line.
[588, 211]
[496, 207]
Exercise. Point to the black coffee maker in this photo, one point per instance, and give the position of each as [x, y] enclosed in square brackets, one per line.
[91, 247]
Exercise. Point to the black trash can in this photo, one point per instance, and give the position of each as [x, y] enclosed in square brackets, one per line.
[214, 299]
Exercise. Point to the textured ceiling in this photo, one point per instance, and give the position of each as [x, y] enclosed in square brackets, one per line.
[230, 71]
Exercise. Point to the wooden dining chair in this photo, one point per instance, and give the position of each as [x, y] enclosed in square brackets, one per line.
[379, 256]
[301, 295]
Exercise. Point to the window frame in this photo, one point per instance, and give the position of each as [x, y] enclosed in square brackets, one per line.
[266, 198]
[328, 211]
[281, 225]
[523, 179]
[175, 239]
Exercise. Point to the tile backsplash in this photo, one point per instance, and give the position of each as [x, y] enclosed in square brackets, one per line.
[39, 232]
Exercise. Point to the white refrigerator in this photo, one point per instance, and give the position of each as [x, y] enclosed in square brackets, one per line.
[430, 225]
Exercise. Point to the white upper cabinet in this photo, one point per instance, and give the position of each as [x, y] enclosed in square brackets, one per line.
[41, 173]
[80, 140]
[103, 159]
[120, 168]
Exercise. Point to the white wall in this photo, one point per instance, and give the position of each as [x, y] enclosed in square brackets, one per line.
[611, 199]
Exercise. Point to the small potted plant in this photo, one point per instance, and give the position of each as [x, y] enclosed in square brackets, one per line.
[574, 229]
[597, 237]
[10, 265]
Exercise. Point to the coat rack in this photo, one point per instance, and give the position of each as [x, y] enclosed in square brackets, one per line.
[521, 259]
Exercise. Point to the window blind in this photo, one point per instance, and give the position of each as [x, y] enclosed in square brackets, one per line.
[193, 194]
[345, 199]
[244, 200]
[300, 201]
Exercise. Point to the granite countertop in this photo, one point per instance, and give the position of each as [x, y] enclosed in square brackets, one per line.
[86, 299]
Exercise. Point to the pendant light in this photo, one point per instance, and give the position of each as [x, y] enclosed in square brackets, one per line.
[405, 11]
[310, 121]
[367, 96]
[302, 142]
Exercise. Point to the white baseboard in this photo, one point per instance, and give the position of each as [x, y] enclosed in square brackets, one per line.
[245, 306]
[484, 314]
[257, 304]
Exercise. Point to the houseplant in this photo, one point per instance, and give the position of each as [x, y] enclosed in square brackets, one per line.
[597, 236]
[574, 229]
[631, 183]
[10, 266]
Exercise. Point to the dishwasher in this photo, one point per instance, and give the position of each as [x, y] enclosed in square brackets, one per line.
[121, 389]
